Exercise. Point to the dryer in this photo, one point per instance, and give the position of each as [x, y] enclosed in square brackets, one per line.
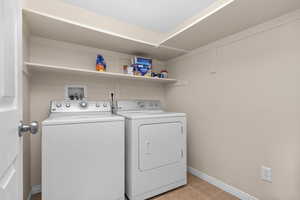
[155, 148]
[82, 152]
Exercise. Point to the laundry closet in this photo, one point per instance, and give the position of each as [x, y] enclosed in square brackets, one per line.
[59, 54]
[45, 84]
[230, 73]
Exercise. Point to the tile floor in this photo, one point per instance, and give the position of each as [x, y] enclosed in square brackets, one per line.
[196, 189]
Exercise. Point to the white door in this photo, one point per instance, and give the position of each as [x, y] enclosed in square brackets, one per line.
[10, 54]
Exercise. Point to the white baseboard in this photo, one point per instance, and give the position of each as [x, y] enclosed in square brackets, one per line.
[223, 186]
[35, 189]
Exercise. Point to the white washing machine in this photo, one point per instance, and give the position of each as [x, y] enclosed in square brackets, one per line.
[82, 152]
[155, 148]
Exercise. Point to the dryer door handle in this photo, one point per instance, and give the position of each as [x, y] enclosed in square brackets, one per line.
[148, 147]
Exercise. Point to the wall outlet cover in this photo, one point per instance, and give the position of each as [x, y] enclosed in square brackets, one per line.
[266, 174]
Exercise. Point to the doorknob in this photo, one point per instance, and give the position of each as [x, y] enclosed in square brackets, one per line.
[32, 127]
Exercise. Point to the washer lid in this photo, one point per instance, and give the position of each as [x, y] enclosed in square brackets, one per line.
[76, 118]
[145, 115]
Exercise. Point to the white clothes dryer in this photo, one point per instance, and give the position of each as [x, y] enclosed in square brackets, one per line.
[155, 148]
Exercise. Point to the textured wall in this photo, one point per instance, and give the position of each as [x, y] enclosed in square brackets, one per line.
[242, 98]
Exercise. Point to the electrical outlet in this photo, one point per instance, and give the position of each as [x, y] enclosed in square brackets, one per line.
[266, 174]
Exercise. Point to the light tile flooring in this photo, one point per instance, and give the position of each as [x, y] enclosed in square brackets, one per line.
[196, 189]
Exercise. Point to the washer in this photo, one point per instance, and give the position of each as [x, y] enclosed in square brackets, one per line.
[155, 148]
[82, 152]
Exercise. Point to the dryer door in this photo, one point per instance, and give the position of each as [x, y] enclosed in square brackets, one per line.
[160, 144]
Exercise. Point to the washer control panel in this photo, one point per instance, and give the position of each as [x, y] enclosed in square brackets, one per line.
[79, 106]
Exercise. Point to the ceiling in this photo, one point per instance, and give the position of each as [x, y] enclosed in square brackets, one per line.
[49, 27]
[189, 26]
[233, 18]
[155, 15]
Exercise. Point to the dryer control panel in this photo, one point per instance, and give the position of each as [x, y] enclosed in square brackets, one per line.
[79, 106]
[132, 105]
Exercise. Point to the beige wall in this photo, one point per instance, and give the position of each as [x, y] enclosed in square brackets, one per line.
[242, 98]
[47, 86]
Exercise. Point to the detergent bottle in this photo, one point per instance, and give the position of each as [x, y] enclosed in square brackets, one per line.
[100, 63]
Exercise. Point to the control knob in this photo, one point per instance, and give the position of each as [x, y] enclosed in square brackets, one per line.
[58, 105]
[83, 104]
